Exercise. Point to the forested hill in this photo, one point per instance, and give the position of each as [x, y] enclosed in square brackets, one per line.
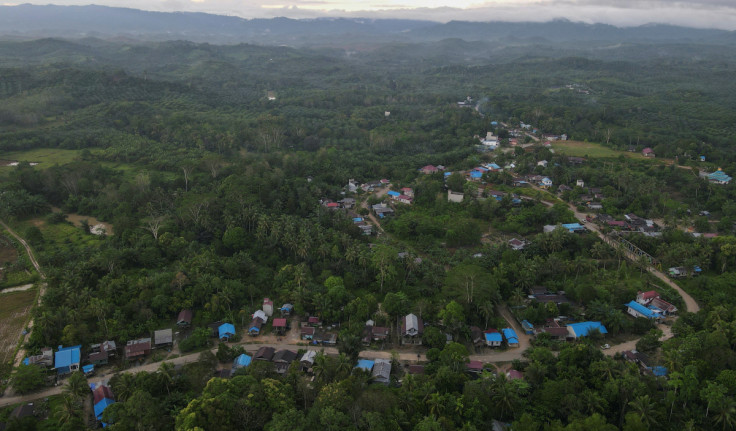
[34, 21]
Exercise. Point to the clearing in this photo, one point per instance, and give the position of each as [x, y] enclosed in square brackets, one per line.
[14, 309]
[591, 149]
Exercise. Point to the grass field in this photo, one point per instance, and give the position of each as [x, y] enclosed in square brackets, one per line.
[44, 156]
[14, 308]
[591, 149]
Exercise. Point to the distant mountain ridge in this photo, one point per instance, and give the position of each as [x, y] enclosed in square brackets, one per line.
[33, 21]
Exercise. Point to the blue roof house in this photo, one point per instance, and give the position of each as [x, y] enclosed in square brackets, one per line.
[719, 177]
[393, 194]
[66, 359]
[476, 175]
[365, 364]
[545, 183]
[226, 331]
[511, 338]
[493, 339]
[101, 406]
[528, 327]
[241, 361]
[637, 310]
[582, 329]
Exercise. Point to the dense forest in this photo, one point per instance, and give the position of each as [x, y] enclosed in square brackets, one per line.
[213, 164]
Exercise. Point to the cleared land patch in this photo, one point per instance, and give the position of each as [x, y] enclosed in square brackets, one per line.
[14, 309]
[591, 149]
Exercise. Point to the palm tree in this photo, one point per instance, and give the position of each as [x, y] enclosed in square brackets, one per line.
[123, 385]
[646, 409]
[504, 397]
[726, 414]
[166, 374]
[487, 310]
[68, 410]
[77, 387]
[517, 296]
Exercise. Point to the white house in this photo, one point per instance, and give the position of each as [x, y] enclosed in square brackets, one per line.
[542, 163]
[454, 196]
[580, 183]
[267, 307]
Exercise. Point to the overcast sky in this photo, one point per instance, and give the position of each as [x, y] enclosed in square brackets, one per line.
[691, 13]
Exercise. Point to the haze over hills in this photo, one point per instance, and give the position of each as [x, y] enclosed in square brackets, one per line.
[31, 21]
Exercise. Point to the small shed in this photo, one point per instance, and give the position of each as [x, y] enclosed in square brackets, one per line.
[287, 309]
[280, 325]
[163, 338]
[185, 318]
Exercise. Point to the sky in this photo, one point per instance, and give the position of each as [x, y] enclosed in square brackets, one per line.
[691, 13]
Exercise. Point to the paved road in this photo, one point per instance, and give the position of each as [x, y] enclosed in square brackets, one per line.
[21, 352]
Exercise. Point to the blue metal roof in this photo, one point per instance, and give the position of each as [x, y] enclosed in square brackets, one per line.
[226, 330]
[66, 356]
[582, 329]
[476, 174]
[393, 193]
[659, 371]
[447, 174]
[493, 337]
[493, 166]
[646, 312]
[101, 406]
[88, 368]
[573, 226]
[510, 335]
[365, 364]
[242, 361]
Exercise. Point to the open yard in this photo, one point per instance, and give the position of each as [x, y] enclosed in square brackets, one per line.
[45, 156]
[14, 308]
[590, 149]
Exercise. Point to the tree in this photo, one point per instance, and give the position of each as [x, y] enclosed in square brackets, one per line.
[27, 378]
[453, 317]
[456, 182]
[77, 386]
[383, 260]
[396, 305]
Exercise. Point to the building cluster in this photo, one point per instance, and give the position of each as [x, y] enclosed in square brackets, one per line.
[650, 305]
[630, 223]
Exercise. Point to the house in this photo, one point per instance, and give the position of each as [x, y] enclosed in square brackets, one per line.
[429, 169]
[514, 375]
[545, 183]
[517, 244]
[379, 333]
[254, 328]
[475, 175]
[474, 366]
[264, 354]
[365, 365]
[490, 142]
[313, 321]
[280, 325]
[67, 359]
[226, 331]
[393, 194]
[719, 177]
[100, 353]
[283, 359]
[493, 338]
[570, 227]
[582, 329]
[555, 331]
[637, 310]
[267, 307]
[652, 299]
[184, 319]
[324, 337]
[45, 359]
[352, 186]
[307, 332]
[527, 327]
[580, 183]
[241, 361]
[347, 203]
[454, 196]
[511, 338]
[260, 314]
[562, 188]
[137, 348]
[404, 199]
[595, 206]
[407, 191]
[102, 397]
[163, 338]
[287, 309]
[542, 163]
[678, 272]
[648, 152]
[493, 167]
[412, 328]
[308, 359]
[382, 371]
